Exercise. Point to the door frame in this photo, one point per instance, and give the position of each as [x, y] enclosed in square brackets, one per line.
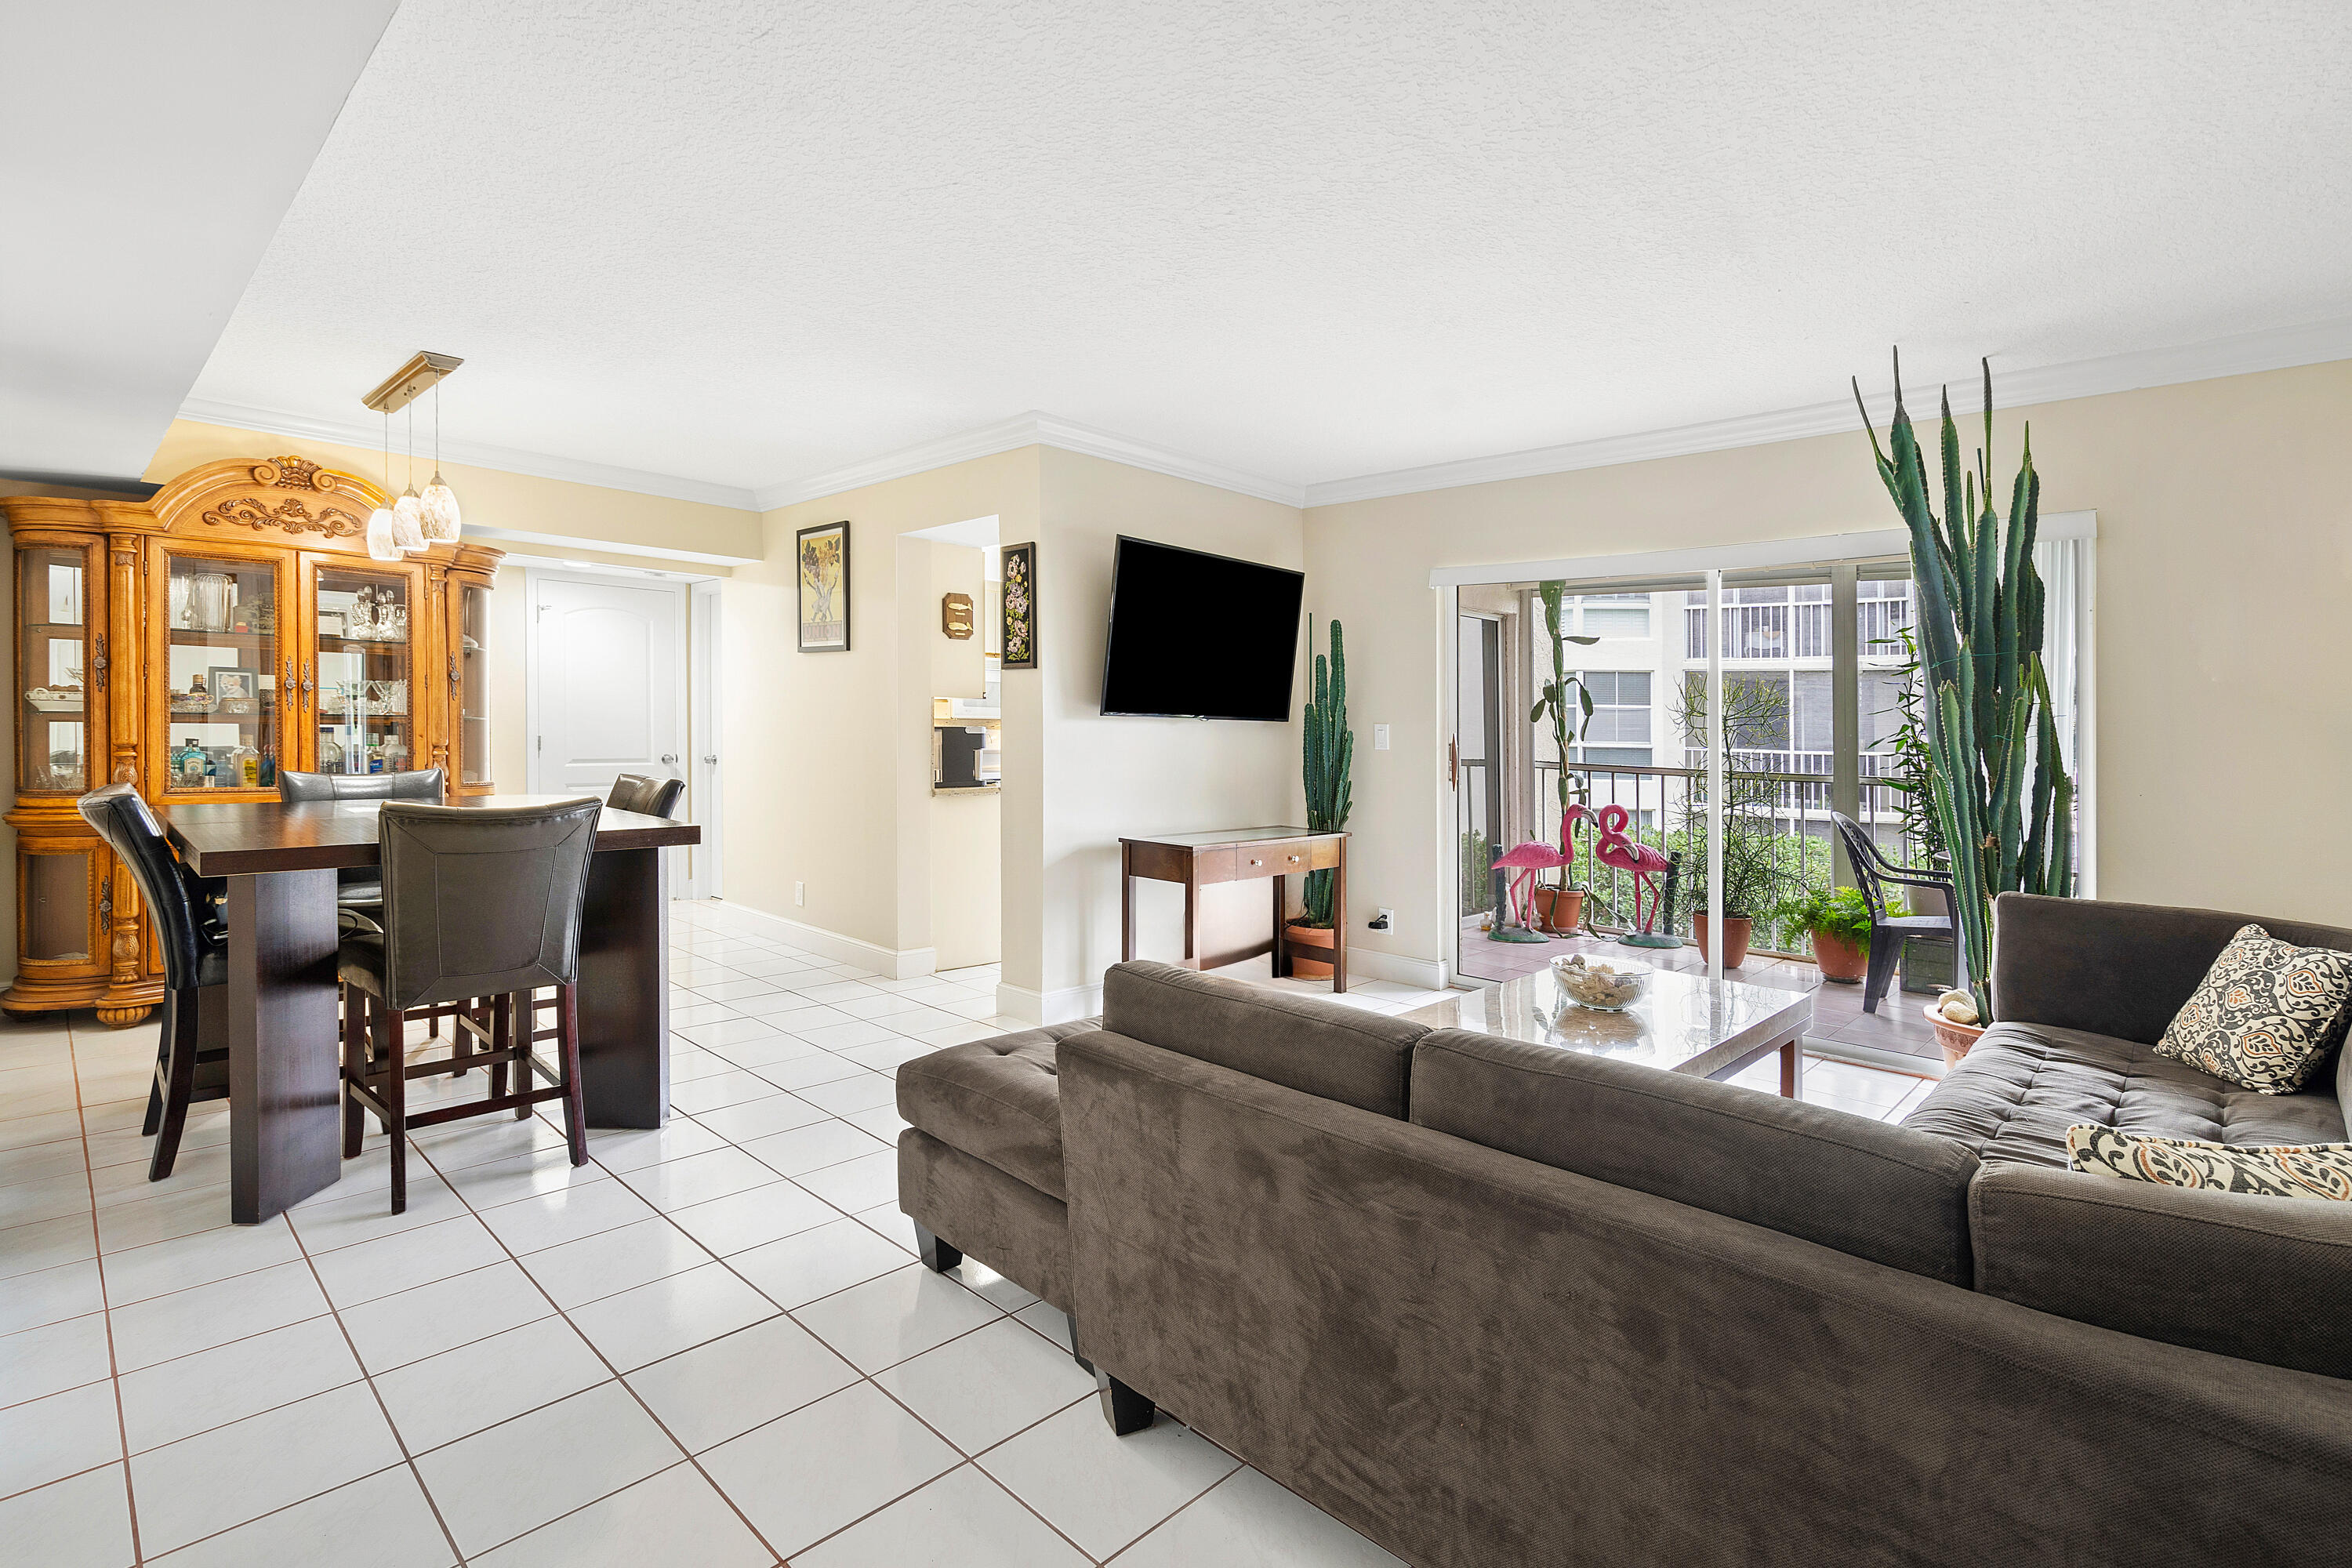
[704, 787]
[534, 775]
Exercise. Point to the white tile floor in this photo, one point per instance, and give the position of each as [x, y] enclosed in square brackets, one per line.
[712, 1344]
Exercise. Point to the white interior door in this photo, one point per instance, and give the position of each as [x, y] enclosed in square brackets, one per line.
[607, 683]
[702, 792]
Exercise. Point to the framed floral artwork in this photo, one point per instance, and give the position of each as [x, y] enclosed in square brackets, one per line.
[1020, 642]
[823, 556]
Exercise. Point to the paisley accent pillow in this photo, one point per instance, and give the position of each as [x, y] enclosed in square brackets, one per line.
[2286, 1170]
[2265, 1014]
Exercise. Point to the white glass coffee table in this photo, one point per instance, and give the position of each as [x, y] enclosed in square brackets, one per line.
[1686, 1022]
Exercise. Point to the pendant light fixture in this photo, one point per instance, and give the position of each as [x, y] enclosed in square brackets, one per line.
[380, 544]
[442, 523]
[408, 512]
[413, 524]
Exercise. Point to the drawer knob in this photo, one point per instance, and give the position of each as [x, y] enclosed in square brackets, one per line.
[1257, 862]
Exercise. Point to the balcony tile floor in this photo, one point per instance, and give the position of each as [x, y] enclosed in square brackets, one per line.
[711, 1344]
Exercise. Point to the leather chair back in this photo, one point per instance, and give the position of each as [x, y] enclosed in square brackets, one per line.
[185, 925]
[477, 902]
[424, 783]
[653, 797]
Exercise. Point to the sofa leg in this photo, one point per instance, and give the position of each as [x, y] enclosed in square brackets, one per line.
[1126, 1410]
[937, 1256]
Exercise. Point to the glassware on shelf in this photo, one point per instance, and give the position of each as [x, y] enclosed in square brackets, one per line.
[395, 754]
[211, 595]
[330, 756]
[192, 763]
[244, 767]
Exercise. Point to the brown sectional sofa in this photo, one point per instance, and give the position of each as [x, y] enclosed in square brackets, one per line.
[1493, 1303]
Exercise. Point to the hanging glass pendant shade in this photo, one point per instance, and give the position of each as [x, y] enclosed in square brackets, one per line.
[442, 523]
[408, 521]
[380, 541]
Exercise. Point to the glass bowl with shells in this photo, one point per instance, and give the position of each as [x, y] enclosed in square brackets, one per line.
[1605, 985]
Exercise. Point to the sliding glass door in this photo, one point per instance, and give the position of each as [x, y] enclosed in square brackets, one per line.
[1815, 667]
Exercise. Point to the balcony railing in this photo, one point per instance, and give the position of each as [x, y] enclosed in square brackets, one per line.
[1792, 631]
[1795, 812]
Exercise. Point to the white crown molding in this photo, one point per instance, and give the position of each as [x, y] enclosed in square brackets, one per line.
[2240, 355]
[506, 459]
[1033, 428]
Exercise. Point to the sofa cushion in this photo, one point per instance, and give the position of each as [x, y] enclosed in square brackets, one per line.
[997, 1100]
[2228, 1272]
[2021, 1086]
[2265, 1014]
[1325, 1048]
[1846, 1182]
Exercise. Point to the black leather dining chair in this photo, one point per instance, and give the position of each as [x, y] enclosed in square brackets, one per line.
[1874, 873]
[650, 797]
[194, 943]
[477, 903]
[361, 888]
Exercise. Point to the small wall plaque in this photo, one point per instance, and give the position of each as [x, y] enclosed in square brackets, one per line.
[955, 616]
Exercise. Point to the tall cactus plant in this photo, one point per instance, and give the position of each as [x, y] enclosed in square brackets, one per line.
[1329, 751]
[2002, 792]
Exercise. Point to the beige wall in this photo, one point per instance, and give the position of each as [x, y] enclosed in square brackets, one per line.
[828, 779]
[965, 860]
[2224, 570]
[1105, 777]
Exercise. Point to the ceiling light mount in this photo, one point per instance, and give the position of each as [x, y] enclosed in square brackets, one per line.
[412, 381]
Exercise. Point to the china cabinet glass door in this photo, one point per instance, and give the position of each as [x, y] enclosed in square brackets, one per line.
[365, 705]
[469, 642]
[225, 675]
[54, 667]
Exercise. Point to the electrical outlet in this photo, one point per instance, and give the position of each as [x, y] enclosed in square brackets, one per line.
[800, 893]
[1383, 920]
[1379, 737]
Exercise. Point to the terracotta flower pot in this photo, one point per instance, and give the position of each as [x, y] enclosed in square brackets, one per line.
[1736, 930]
[1560, 912]
[1296, 937]
[1846, 962]
[1956, 1039]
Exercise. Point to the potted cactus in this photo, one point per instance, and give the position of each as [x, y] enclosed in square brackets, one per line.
[2004, 803]
[1330, 750]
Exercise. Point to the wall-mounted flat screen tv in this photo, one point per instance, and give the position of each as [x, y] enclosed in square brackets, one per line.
[1195, 635]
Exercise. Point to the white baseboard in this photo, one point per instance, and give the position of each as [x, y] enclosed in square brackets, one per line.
[1874, 1057]
[1428, 974]
[891, 963]
[1043, 1007]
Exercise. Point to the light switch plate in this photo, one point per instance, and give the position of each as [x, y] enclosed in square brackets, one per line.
[1379, 737]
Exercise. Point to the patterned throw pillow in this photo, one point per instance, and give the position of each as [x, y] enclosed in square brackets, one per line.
[2288, 1170]
[2265, 1014]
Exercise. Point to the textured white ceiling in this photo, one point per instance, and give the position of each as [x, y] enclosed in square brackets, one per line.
[746, 243]
[147, 149]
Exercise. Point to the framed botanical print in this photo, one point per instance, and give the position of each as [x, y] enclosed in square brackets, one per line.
[823, 556]
[1020, 610]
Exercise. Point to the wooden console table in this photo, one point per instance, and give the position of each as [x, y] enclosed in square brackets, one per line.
[1195, 861]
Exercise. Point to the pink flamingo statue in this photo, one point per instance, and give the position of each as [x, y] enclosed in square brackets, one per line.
[1524, 861]
[1615, 849]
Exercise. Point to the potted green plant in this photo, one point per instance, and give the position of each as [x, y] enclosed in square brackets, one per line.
[1560, 909]
[1753, 713]
[1839, 922]
[1329, 751]
[2004, 802]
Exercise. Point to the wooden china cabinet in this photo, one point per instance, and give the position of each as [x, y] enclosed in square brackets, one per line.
[195, 643]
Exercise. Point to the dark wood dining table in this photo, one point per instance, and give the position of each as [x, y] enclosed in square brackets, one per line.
[284, 1081]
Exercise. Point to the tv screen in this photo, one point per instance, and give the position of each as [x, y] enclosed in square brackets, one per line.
[1199, 637]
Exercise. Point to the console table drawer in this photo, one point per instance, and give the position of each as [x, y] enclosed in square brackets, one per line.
[1282, 860]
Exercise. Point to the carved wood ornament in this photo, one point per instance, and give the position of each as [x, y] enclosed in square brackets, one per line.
[288, 515]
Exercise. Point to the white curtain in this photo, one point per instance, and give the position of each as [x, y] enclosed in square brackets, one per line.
[2060, 561]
